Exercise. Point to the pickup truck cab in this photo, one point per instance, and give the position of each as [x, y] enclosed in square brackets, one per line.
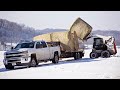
[31, 53]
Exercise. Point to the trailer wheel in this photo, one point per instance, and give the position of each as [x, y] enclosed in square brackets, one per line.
[76, 55]
[55, 59]
[81, 54]
[9, 66]
[105, 54]
[93, 55]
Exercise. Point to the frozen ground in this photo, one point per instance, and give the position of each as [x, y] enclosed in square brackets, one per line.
[68, 68]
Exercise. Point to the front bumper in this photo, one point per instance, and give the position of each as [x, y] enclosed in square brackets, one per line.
[16, 61]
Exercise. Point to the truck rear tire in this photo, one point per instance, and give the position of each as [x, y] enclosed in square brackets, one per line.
[55, 59]
[105, 54]
[93, 55]
[9, 66]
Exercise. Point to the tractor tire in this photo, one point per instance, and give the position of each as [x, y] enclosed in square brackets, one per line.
[93, 55]
[105, 54]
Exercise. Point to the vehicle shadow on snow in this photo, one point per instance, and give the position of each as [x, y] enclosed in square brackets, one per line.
[69, 61]
[4, 69]
[51, 64]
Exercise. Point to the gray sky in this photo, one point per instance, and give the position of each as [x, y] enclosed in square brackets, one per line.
[102, 20]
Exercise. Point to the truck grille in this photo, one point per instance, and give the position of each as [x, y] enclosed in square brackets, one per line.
[10, 56]
[13, 53]
[13, 60]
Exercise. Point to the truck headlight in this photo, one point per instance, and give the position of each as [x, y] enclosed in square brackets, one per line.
[5, 62]
[25, 52]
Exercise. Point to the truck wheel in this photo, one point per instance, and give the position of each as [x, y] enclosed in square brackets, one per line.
[33, 62]
[9, 66]
[105, 54]
[93, 55]
[55, 59]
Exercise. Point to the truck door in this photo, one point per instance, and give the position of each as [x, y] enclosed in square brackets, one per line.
[39, 51]
[46, 50]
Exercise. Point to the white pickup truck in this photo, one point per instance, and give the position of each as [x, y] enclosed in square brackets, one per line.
[31, 53]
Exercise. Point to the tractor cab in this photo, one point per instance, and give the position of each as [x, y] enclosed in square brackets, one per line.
[99, 44]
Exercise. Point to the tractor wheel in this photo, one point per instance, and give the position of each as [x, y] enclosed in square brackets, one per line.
[93, 55]
[105, 54]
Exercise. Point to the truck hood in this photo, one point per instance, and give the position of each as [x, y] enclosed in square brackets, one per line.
[16, 51]
[81, 28]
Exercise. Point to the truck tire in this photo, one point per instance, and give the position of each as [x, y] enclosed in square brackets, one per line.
[9, 66]
[33, 62]
[93, 55]
[105, 54]
[55, 59]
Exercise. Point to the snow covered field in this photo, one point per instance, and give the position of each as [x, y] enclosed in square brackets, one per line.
[86, 68]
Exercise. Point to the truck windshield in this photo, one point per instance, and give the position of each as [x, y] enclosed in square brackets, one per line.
[25, 45]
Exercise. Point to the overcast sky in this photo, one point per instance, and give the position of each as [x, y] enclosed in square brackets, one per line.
[102, 20]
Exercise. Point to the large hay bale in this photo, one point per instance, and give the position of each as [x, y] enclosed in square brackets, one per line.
[61, 37]
[69, 40]
[45, 37]
[81, 28]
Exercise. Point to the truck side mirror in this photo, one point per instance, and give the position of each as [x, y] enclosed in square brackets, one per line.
[12, 48]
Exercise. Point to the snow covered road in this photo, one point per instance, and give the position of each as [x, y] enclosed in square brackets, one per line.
[86, 68]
